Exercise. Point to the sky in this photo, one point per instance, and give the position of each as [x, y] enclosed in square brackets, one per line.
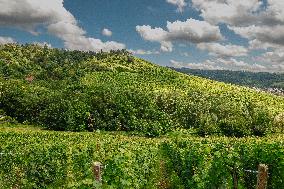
[198, 34]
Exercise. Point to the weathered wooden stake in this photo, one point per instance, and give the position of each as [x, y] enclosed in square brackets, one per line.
[97, 171]
[262, 176]
[235, 178]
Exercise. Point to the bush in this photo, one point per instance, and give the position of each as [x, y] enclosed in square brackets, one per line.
[279, 122]
[235, 126]
[6, 119]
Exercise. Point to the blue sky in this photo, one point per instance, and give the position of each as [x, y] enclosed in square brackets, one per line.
[202, 34]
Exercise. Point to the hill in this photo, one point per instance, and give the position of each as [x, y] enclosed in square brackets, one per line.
[263, 80]
[86, 91]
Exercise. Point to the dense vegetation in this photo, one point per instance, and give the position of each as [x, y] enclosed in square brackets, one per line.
[262, 80]
[45, 159]
[85, 91]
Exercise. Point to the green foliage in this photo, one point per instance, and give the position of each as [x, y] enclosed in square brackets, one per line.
[64, 160]
[85, 91]
[44, 159]
[6, 119]
[279, 121]
[210, 163]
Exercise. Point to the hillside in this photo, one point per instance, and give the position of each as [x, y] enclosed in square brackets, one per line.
[85, 91]
[263, 80]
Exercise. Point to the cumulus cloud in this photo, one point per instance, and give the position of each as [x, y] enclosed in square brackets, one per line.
[234, 64]
[106, 32]
[151, 34]
[5, 40]
[260, 22]
[275, 57]
[179, 3]
[206, 65]
[91, 44]
[42, 44]
[166, 46]
[143, 52]
[228, 11]
[31, 14]
[256, 44]
[273, 35]
[242, 12]
[219, 50]
[223, 64]
[194, 31]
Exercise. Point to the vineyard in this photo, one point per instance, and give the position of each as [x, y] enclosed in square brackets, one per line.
[149, 126]
[85, 91]
[45, 159]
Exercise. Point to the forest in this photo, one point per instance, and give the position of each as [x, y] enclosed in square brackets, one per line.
[261, 80]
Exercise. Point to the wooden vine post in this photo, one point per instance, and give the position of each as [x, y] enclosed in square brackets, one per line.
[97, 171]
[262, 176]
[235, 178]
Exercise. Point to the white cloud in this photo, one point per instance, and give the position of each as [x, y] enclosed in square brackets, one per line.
[179, 3]
[250, 19]
[242, 12]
[234, 64]
[30, 14]
[274, 14]
[260, 22]
[151, 34]
[186, 54]
[263, 34]
[206, 65]
[194, 31]
[269, 38]
[106, 32]
[143, 52]
[224, 64]
[275, 57]
[42, 44]
[256, 44]
[83, 43]
[166, 46]
[5, 40]
[228, 11]
[217, 49]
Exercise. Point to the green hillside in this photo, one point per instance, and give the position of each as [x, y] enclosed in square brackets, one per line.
[85, 91]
